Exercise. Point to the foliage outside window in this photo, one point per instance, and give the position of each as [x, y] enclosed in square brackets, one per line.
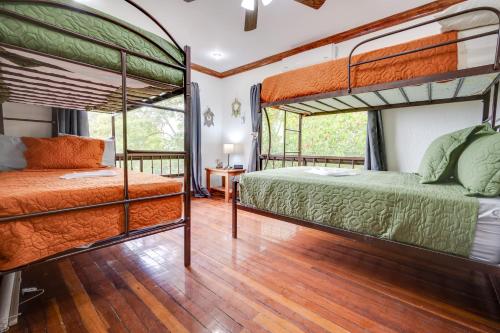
[327, 135]
[147, 129]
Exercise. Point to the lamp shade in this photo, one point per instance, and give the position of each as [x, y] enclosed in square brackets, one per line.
[228, 148]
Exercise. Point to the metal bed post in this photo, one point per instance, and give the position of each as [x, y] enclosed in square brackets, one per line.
[125, 146]
[284, 140]
[268, 138]
[259, 139]
[113, 127]
[486, 105]
[495, 104]
[299, 157]
[187, 157]
[55, 123]
[235, 210]
[2, 129]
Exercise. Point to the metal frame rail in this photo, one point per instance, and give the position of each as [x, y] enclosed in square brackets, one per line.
[126, 103]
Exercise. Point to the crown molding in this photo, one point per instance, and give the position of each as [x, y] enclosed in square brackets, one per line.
[387, 22]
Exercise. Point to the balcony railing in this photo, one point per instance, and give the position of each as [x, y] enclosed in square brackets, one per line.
[276, 161]
[167, 164]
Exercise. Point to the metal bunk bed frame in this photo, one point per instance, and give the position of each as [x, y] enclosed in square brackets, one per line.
[435, 258]
[126, 102]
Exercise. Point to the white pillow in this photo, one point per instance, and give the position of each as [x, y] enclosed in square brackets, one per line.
[11, 153]
[108, 157]
[469, 20]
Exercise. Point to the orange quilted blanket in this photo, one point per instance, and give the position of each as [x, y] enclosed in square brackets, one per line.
[332, 75]
[22, 192]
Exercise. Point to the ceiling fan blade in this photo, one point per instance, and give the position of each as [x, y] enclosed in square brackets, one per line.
[316, 4]
[251, 17]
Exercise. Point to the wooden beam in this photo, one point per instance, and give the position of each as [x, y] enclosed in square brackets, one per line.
[206, 70]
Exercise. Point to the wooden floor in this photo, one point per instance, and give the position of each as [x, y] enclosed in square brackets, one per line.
[276, 277]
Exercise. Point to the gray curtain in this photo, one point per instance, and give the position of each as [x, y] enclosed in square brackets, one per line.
[196, 169]
[254, 163]
[73, 122]
[375, 158]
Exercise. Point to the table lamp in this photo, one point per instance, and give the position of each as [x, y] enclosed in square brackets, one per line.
[228, 149]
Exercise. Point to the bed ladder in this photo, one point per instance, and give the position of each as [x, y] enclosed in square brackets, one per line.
[297, 153]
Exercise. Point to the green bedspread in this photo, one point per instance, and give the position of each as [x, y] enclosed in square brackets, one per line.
[27, 35]
[388, 205]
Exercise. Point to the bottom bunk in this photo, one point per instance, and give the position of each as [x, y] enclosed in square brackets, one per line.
[385, 205]
[29, 191]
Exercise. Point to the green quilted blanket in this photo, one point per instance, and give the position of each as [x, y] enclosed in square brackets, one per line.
[387, 205]
[27, 35]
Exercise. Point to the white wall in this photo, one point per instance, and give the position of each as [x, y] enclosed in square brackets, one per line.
[211, 137]
[18, 128]
[409, 131]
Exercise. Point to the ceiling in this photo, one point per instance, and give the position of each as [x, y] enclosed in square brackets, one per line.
[210, 26]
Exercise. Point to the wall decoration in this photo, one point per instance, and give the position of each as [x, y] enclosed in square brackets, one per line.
[236, 108]
[208, 118]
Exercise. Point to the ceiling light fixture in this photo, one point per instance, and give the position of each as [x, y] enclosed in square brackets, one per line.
[217, 55]
[248, 4]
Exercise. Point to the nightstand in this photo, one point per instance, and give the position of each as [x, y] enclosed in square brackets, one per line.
[227, 175]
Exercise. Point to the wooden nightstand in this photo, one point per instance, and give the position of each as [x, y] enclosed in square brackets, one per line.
[227, 175]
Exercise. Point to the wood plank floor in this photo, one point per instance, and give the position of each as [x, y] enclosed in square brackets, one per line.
[276, 277]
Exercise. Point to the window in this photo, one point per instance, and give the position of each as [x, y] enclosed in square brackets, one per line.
[329, 135]
[147, 128]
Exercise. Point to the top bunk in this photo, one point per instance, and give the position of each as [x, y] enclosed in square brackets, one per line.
[59, 53]
[431, 70]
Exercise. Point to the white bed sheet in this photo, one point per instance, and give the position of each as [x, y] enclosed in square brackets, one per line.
[477, 52]
[486, 246]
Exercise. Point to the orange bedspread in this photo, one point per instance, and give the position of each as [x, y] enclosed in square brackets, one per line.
[24, 192]
[332, 75]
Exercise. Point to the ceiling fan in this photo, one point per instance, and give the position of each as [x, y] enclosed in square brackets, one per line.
[252, 9]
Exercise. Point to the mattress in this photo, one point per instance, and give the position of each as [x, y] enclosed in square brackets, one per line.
[332, 75]
[387, 205]
[23, 192]
[31, 36]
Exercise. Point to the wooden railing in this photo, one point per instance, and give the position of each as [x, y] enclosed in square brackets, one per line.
[276, 161]
[167, 164]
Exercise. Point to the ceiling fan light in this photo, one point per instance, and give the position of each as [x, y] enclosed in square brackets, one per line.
[248, 4]
[266, 2]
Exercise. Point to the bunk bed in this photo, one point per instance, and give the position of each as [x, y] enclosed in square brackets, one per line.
[434, 223]
[61, 54]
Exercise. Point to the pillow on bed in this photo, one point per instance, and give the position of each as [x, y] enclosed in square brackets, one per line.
[11, 153]
[469, 20]
[442, 154]
[65, 152]
[478, 168]
[109, 155]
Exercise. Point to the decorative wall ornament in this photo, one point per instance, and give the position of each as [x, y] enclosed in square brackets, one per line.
[208, 118]
[236, 108]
